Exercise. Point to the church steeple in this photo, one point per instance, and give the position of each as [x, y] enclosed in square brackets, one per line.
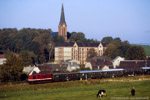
[62, 27]
[62, 18]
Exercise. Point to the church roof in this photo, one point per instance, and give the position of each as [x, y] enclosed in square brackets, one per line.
[88, 44]
[66, 44]
[62, 18]
[70, 44]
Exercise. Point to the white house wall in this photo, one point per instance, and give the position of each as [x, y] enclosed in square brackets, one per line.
[2, 61]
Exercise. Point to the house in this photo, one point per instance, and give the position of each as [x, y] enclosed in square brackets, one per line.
[73, 65]
[31, 69]
[2, 59]
[77, 51]
[98, 63]
[116, 61]
[133, 67]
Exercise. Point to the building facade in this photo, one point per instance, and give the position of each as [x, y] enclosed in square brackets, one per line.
[77, 51]
[62, 27]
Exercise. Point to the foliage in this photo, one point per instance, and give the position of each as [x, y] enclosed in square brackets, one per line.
[136, 53]
[117, 41]
[115, 47]
[58, 40]
[12, 69]
[38, 41]
[28, 57]
[123, 48]
[112, 51]
[77, 37]
[91, 53]
[34, 40]
[146, 48]
[107, 40]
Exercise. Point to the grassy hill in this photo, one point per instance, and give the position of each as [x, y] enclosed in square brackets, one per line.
[147, 49]
[79, 90]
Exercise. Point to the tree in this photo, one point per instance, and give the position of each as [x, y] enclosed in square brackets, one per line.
[124, 48]
[58, 40]
[112, 51]
[117, 41]
[19, 45]
[77, 37]
[91, 53]
[51, 47]
[12, 69]
[107, 40]
[33, 46]
[136, 53]
[28, 57]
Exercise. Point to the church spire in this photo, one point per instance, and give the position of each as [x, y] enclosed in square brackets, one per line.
[62, 27]
[62, 18]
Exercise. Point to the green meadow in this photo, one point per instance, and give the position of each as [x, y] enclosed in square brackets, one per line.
[116, 88]
[147, 49]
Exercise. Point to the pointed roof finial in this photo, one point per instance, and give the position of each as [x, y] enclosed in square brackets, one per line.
[62, 18]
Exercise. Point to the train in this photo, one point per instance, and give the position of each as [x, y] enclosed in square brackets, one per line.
[85, 75]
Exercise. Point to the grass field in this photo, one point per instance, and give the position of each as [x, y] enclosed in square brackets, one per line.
[116, 88]
[147, 49]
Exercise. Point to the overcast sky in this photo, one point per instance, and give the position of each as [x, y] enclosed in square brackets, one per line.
[127, 19]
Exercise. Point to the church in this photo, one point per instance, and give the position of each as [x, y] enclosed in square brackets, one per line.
[74, 51]
[62, 27]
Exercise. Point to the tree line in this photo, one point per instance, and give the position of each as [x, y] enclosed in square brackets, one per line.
[30, 46]
[116, 47]
[37, 44]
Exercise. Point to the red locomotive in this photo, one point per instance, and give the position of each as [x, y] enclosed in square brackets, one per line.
[39, 78]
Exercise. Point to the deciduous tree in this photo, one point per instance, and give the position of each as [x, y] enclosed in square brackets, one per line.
[91, 53]
[136, 53]
[107, 40]
[12, 69]
[28, 57]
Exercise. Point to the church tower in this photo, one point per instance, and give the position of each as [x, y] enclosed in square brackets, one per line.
[62, 27]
